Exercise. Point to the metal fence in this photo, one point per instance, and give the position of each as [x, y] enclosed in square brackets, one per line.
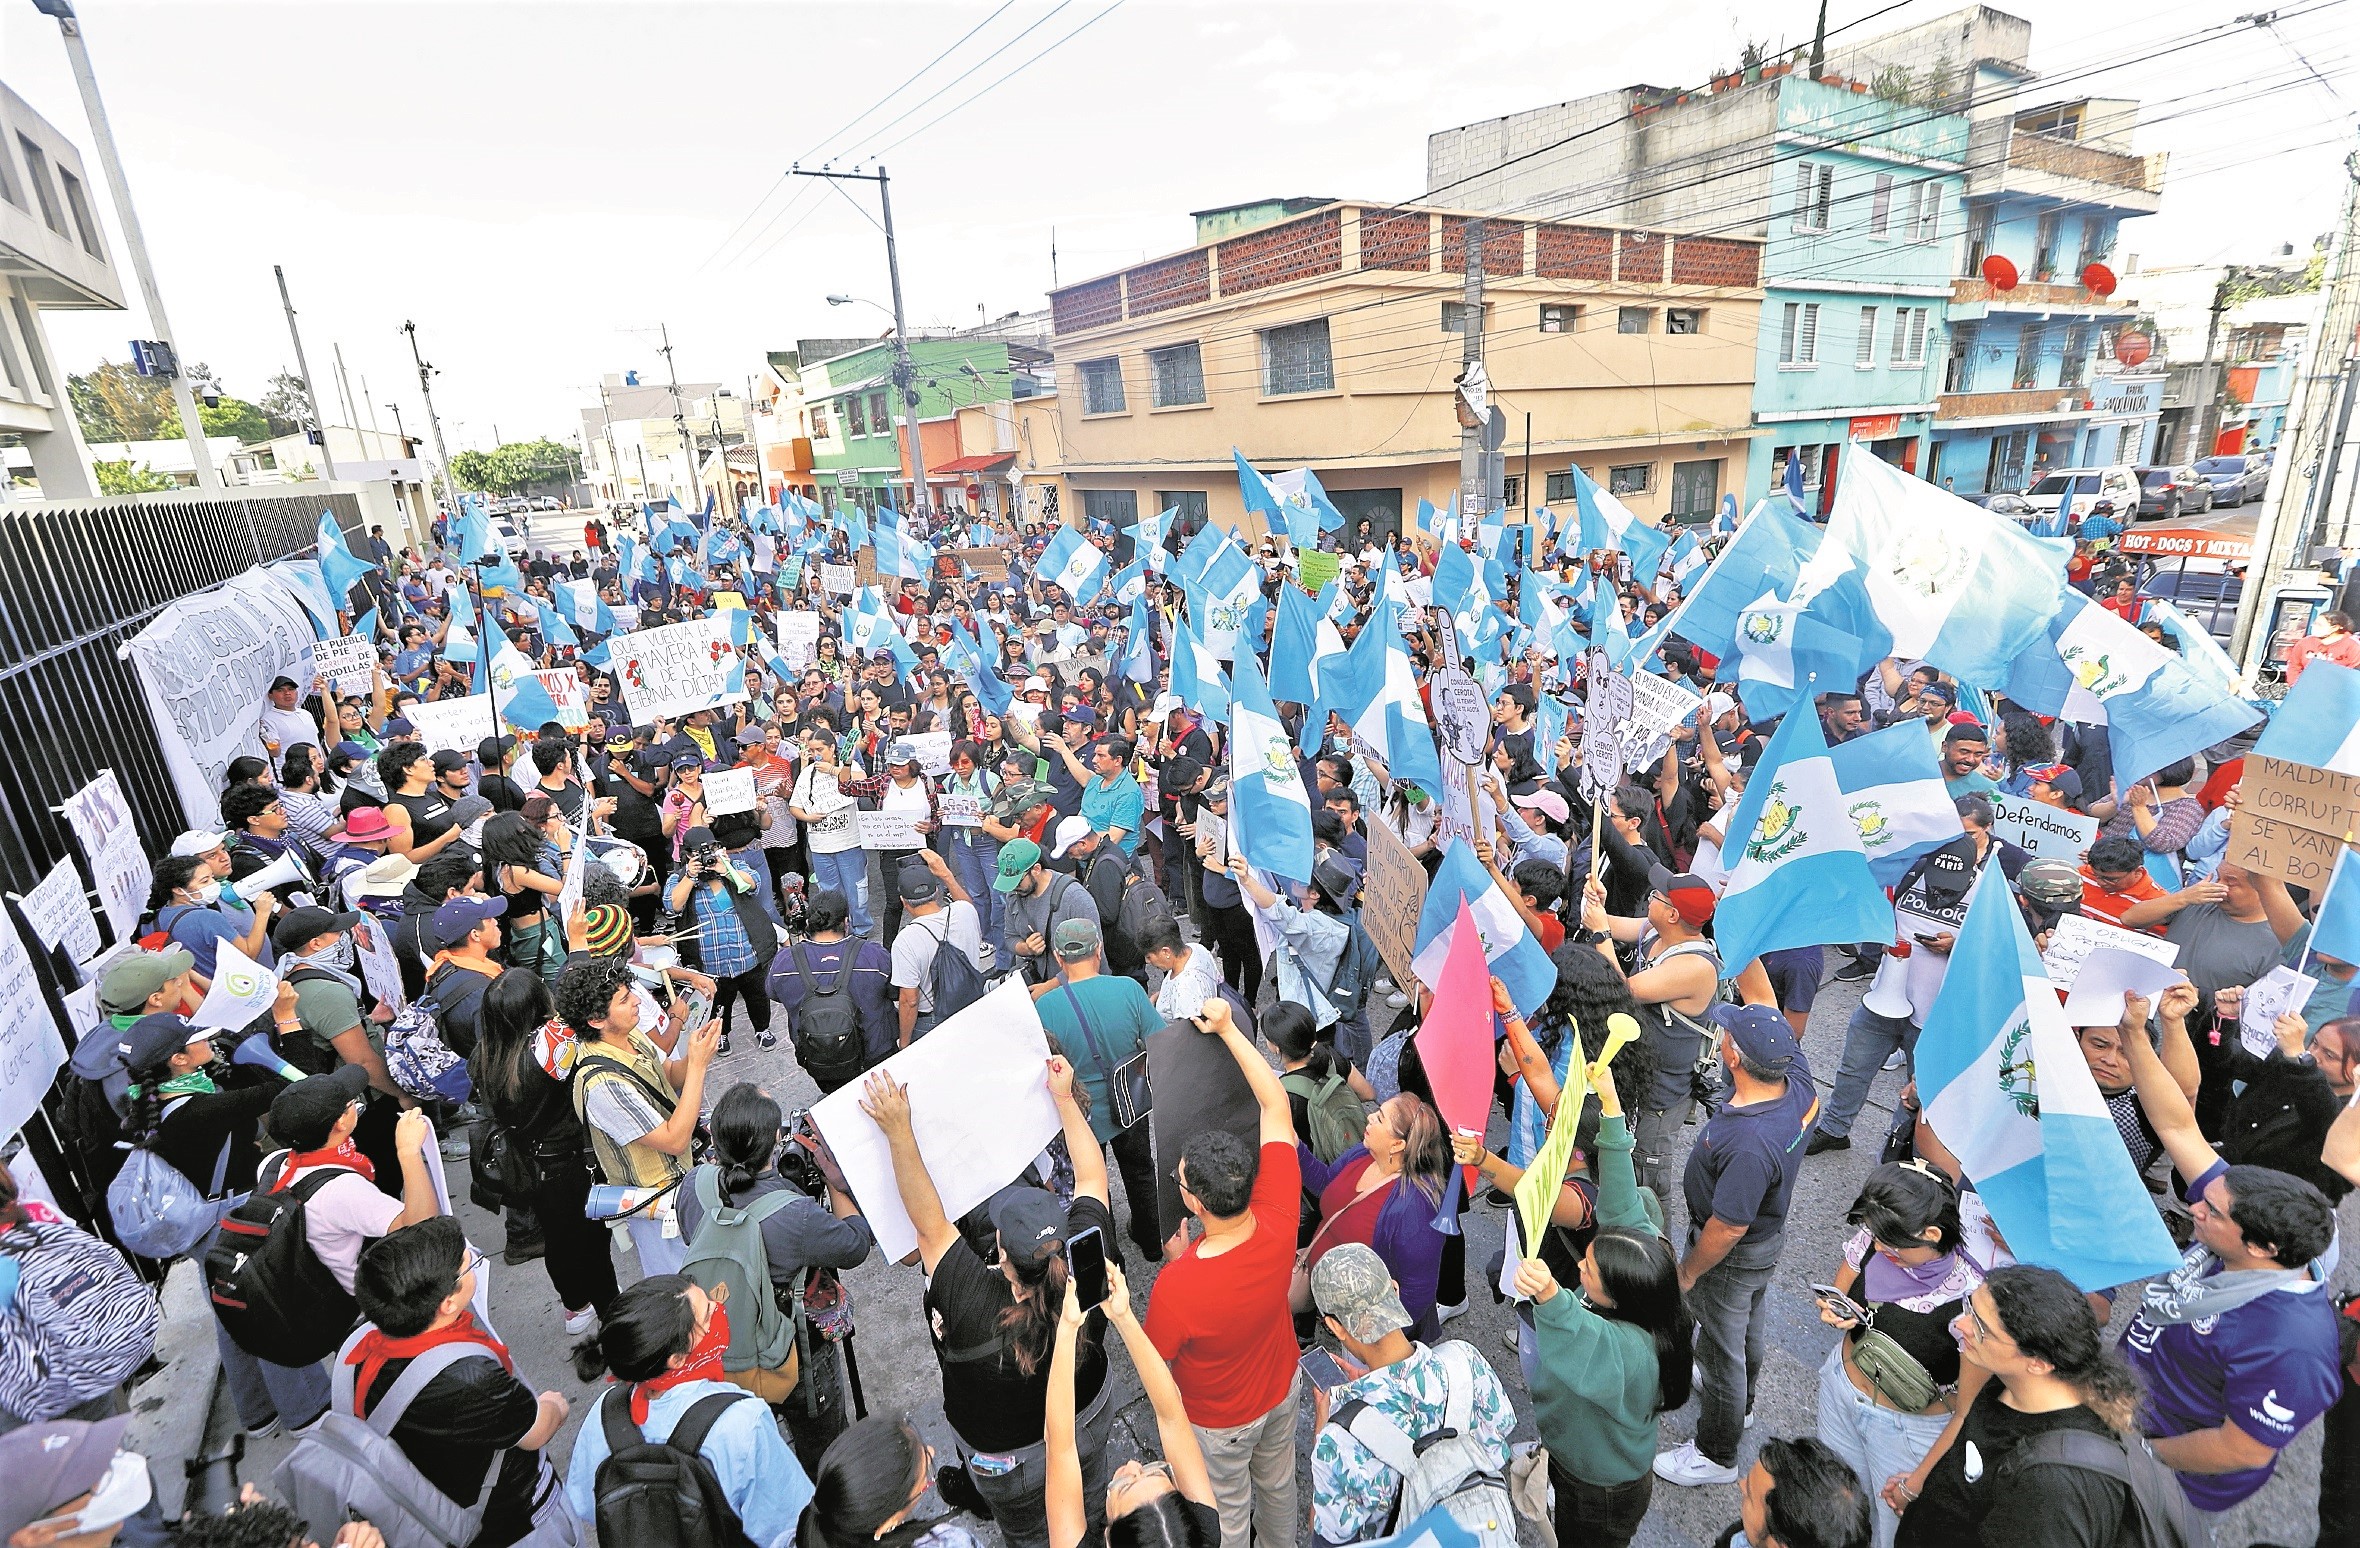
[75, 583]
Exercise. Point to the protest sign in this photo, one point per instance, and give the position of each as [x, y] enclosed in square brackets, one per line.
[2077, 935]
[728, 792]
[2106, 975]
[626, 617]
[2292, 819]
[453, 725]
[678, 669]
[100, 816]
[979, 1107]
[2301, 856]
[242, 990]
[790, 571]
[1462, 714]
[1198, 1087]
[890, 830]
[864, 566]
[2276, 992]
[30, 1048]
[958, 811]
[934, 750]
[2049, 832]
[798, 638]
[349, 661]
[1658, 706]
[1318, 568]
[1608, 702]
[989, 564]
[842, 579]
[59, 912]
[569, 693]
[1392, 896]
[381, 970]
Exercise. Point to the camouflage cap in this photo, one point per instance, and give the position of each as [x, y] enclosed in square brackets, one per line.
[1352, 1285]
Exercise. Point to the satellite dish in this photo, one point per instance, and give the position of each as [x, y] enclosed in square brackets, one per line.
[2098, 279]
[1999, 272]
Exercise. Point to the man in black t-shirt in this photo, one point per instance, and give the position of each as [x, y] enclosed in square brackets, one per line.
[416, 1287]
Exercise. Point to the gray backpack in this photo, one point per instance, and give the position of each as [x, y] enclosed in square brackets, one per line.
[350, 1464]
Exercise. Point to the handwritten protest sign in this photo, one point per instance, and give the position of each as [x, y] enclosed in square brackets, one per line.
[30, 1048]
[349, 661]
[798, 638]
[2292, 820]
[59, 913]
[2077, 935]
[728, 792]
[100, 816]
[842, 579]
[1658, 706]
[569, 693]
[934, 750]
[989, 564]
[453, 725]
[890, 830]
[381, 970]
[1318, 568]
[2049, 832]
[678, 668]
[1392, 897]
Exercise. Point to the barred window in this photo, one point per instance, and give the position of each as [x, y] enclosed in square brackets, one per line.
[1295, 358]
[1177, 374]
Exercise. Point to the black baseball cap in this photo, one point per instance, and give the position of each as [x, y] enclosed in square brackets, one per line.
[449, 761]
[298, 925]
[303, 1115]
[1031, 1225]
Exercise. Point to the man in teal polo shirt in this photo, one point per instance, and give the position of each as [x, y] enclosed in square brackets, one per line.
[1101, 1021]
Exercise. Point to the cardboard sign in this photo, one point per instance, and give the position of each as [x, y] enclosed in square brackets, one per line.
[2049, 832]
[678, 669]
[989, 564]
[728, 792]
[2292, 820]
[842, 579]
[2077, 935]
[2295, 855]
[100, 816]
[1392, 896]
[349, 661]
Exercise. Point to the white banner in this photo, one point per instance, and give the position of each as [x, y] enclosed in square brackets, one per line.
[678, 668]
[1658, 705]
[30, 1048]
[934, 750]
[842, 579]
[59, 912]
[2050, 832]
[349, 661]
[570, 694]
[101, 820]
[798, 637]
[890, 830]
[453, 725]
[206, 663]
[2077, 935]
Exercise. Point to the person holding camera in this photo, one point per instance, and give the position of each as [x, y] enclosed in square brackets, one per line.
[720, 907]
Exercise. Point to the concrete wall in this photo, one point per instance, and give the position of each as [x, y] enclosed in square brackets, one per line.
[1461, 162]
[1976, 51]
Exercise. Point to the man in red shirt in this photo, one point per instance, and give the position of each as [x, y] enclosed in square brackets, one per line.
[2124, 604]
[2116, 880]
[2334, 642]
[1219, 1313]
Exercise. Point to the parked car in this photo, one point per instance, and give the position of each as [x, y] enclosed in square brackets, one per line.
[2207, 596]
[2172, 493]
[2083, 487]
[548, 503]
[2234, 480]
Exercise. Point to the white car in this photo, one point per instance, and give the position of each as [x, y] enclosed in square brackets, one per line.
[2084, 488]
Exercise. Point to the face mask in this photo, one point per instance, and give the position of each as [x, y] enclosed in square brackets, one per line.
[337, 954]
[208, 892]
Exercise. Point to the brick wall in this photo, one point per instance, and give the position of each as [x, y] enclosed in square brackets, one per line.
[1640, 259]
[1503, 246]
[1396, 239]
[1704, 261]
[1296, 250]
[1086, 306]
[1575, 252]
[1183, 280]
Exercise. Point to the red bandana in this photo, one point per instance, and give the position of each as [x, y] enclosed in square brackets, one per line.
[703, 1364]
[376, 1348]
[335, 1155]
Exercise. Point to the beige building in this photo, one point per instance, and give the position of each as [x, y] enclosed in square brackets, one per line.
[1330, 337]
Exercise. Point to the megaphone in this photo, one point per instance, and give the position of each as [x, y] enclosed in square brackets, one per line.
[1888, 996]
[286, 869]
[256, 1050]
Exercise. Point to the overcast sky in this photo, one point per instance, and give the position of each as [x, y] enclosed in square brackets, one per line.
[540, 184]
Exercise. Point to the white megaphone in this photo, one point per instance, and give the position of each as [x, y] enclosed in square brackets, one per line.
[286, 869]
[1888, 996]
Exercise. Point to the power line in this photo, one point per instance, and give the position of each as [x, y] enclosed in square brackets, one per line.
[995, 85]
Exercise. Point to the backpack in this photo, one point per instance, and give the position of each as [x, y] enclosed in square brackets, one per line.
[79, 1323]
[271, 1291]
[353, 1464]
[2160, 1515]
[1446, 1468]
[825, 1026]
[1141, 901]
[664, 1494]
[1356, 969]
[728, 1250]
[952, 981]
[157, 1212]
[418, 1059]
[1337, 1118]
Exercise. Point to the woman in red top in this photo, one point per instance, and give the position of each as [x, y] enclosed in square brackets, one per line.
[1383, 1193]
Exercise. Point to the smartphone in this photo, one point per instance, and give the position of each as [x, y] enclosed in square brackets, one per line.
[1085, 1257]
[696, 1008]
[1322, 1369]
[1841, 1304]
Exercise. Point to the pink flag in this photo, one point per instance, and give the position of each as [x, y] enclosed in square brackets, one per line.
[1455, 1041]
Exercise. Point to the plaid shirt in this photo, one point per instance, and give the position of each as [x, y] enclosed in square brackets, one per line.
[723, 946]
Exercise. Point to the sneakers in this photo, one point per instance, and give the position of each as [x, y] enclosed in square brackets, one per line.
[1858, 970]
[958, 1491]
[1688, 1467]
[1821, 1140]
[724, 1048]
[766, 1040]
[1445, 1313]
[581, 1322]
[1396, 999]
[1895, 1059]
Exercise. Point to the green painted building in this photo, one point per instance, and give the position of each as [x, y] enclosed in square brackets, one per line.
[859, 421]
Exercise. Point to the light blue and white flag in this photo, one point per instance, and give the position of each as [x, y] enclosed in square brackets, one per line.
[1138, 659]
[1785, 654]
[2199, 651]
[1458, 581]
[1954, 584]
[1516, 958]
[1222, 597]
[1688, 560]
[2336, 932]
[2094, 669]
[1373, 687]
[1894, 794]
[476, 538]
[990, 687]
[1768, 556]
[1792, 487]
[2318, 722]
[552, 624]
[1269, 808]
[1147, 538]
[522, 701]
[1295, 647]
[581, 602]
[2005, 1085]
[1727, 520]
[1798, 872]
[1608, 523]
[1197, 678]
[1290, 502]
[1129, 583]
[1075, 563]
[339, 565]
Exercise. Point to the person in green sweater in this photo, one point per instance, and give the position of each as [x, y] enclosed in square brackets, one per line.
[1613, 1354]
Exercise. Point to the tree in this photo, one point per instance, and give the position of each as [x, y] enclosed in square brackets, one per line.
[122, 478]
[286, 405]
[116, 403]
[479, 470]
[233, 416]
[516, 466]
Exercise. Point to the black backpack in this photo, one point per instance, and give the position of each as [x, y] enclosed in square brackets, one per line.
[825, 1027]
[664, 1494]
[2160, 1515]
[952, 981]
[270, 1290]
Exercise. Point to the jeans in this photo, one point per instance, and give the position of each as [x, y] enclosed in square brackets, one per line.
[976, 865]
[1134, 1157]
[748, 986]
[1875, 1441]
[1019, 1479]
[1869, 1039]
[757, 860]
[1651, 1146]
[1731, 1304]
[658, 1253]
[294, 1395]
[846, 871]
[1598, 1515]
[1253, 1472]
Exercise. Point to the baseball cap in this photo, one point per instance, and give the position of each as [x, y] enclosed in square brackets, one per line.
[916, 884]
[366, 825]
[1762, 1032]
[1351, 1284]
[2050, 883]
[42, 1466]
[387, 876]
[353, 750]
[152, 1039]
[1164, 704]
[1545, 801]
[400, 725]
[198, 842]
[302, 1115]
[1074, 939]
[458, 916]
[1216, 790]
[1070, 831]
[1691, 897]
[138, 974]
[298, 925]
[697, 838]
[1950, 870]
[281, 681]
[449, 761]
[1016, 859]
[897, 753]
[1030, 1224]
[606, 929]
[493, 748]
[1035, 683]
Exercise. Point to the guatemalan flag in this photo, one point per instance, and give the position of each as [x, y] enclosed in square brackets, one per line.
[1798, 871]
[1074, 563]
[1270, 807]
[339, 566]
[1785, 654]
[1608, 523]
[1291, 502]
[2006, 1087]
[1956, 585]
[2095, 669]
[1374, 689]
[2336, 932]
[1302, 633]
[523, 702]
[2318, 723]
[1222, 594]
[1147, 538]
[1516, 957]
[1894, 794]
[1197, 678]
[579, 600]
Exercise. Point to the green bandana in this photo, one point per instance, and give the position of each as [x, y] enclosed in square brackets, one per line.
[194, 1083]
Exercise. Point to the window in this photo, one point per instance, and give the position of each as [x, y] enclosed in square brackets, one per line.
[1176, 375]
[2027, 357]
[37, 168]
[2096, 243]
[1120, 506]
[856, 417]
[2126, 443]
[2005, 469]
[1814, 191]
[1295, 359]
[1813, 458]
[1798, 334]
[2076, 370]
[1102, 386]
[2044, 248]
[1925, 210]
[1684, 319]
[1880, 205]
[8, 189]
[1634, 319]
[1696, 488]
[1961, 370]
[1454, 316]
[1633, 478]
[1866, 353]
[880, 414]
[1560, 319]
[1978, 241]
[78, 205]
[1192, 508]
[1558, 486]
[1909, 335]
[820, 429]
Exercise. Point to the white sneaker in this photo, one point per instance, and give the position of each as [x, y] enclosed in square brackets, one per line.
[1396, 999]
[1686, 1466]
[1896, 1059]
[581, 1322]
[1445, 1313]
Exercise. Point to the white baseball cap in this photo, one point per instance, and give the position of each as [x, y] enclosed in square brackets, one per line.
[198, 842]
[1070, 831]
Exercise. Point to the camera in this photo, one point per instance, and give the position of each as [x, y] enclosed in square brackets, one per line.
[707, 855]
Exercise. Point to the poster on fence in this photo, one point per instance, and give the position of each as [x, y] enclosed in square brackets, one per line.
[100, 816]
[205, 664]
[30, 1048]
[349, 661]
[59, 912]
[679, 668]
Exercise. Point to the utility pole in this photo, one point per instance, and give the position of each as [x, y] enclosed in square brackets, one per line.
[450, 482]
[372, 407]
[303, 369]
[2208, 418]
[102, 136]
[1474, 389]
[352, 416]
[905, 376]
[401, 431]
[2304, 464]
[606, 422]
[688, 446]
